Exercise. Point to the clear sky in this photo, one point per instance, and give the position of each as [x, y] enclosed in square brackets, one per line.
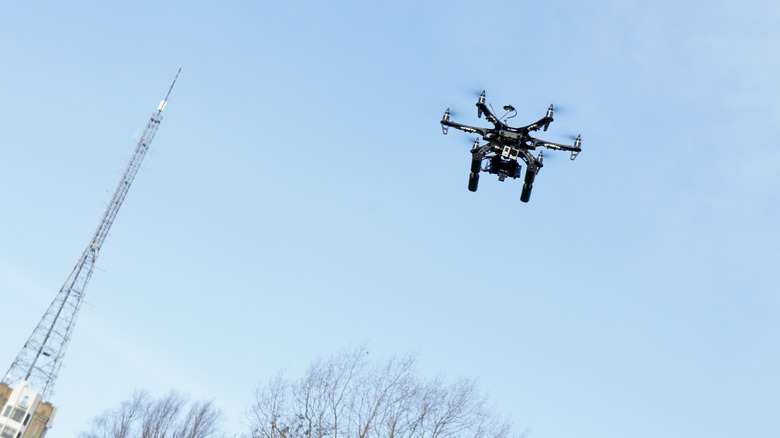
[299, 198]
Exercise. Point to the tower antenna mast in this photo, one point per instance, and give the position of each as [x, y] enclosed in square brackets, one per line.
[40, 360]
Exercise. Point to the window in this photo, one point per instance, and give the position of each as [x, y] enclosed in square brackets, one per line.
[7, 411]
[18, 415]
[26, 419]
[8, 432]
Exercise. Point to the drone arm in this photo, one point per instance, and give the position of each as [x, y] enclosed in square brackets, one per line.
[483, 109]
[554, 146]
[576, 149]
[542, 123]
[465, 128]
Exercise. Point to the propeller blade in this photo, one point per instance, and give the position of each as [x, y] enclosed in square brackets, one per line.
[454, 113]
[476, 92]
[548, 157]
[560, 109]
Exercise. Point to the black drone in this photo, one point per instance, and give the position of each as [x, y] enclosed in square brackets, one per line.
[505, 144]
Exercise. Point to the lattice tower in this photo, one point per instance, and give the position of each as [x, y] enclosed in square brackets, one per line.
[41, 357]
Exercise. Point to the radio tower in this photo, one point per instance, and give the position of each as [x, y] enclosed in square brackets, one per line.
[39, 362]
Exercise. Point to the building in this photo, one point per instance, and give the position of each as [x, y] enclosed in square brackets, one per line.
[24, 414]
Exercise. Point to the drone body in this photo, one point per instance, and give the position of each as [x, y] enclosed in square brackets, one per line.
[505, 145]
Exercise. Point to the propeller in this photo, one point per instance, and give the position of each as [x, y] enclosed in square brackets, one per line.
[560, 109]
[454, 113]
[470, 142]
[548, 157]
[480, 101]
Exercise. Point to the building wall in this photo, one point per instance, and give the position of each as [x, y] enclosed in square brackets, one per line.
[40, 419]
[5, 394]
[22, 412]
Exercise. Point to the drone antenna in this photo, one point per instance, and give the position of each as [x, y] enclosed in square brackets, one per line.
[494, 111]
[509, 109]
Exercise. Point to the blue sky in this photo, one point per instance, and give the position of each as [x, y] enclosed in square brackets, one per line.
[299, 199]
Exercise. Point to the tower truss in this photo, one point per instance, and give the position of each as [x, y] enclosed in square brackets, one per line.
[40, 360]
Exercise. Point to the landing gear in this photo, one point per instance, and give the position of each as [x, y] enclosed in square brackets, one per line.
[476, 167]
[530, 174]
[476, 163]
[525, 196]
[473, 181]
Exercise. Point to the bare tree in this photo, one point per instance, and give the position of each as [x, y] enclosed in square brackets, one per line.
[348, 396]
[167, 417]
[202, 421]
[119, 422]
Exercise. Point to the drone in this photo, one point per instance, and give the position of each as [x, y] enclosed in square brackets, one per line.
[506, 144]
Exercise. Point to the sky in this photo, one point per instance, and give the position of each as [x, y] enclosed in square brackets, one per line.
[300, 199]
